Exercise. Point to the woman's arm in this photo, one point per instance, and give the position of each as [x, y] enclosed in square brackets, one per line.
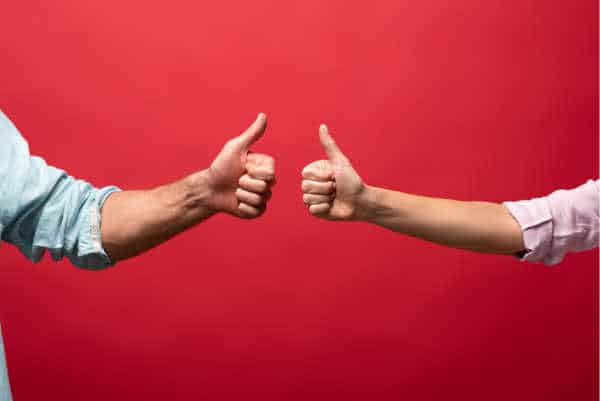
[477, 226]
[542, 229]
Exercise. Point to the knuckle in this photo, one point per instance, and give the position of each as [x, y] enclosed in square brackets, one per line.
[262, 159]
[317, 209]
[261, 186]
[305, 171]
[247, 210]
[270, 169]
[258, 173]
[268, 174]
[249, 198]
[269, 161]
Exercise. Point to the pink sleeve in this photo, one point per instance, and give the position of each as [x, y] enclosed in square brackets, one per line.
[564, 221]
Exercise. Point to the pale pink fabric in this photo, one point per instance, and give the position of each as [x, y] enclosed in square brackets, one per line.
[564, 221]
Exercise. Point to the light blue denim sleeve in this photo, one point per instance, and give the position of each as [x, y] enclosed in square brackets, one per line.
[43, 208]
[5, 394]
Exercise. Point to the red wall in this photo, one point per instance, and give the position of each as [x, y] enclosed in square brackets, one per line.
[469, 99]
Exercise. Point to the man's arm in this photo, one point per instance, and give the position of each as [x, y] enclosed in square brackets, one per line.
[135, 221]
[43, 208]
[238, 182]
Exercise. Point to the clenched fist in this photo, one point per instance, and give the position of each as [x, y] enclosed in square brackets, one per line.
[331, 188]
[240, 180]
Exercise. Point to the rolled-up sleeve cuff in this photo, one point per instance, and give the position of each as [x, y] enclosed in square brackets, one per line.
[90, 253]
[535, 219]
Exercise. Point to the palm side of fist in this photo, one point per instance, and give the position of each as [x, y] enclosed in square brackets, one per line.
[331, 188]
[240, 181]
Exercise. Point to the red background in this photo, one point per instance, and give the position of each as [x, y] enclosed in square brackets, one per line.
[470, 99]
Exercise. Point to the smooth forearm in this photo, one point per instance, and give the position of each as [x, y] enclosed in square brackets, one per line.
[478, 226]
[135, 221]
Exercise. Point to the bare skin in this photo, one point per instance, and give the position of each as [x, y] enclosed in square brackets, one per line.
[333, 190]
[238, 182]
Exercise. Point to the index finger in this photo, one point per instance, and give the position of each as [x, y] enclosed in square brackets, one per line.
[320, 170]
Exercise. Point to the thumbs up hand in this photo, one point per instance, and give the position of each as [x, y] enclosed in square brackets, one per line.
[239, 180]
[332, 188]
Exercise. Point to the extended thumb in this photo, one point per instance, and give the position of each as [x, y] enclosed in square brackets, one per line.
[331, 148]
[254, 131]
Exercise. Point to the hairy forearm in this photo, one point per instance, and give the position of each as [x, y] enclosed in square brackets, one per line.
[478, 226]
[135, 221]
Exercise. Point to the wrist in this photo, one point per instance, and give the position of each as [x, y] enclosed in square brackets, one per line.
[366, 204]
[198, 194]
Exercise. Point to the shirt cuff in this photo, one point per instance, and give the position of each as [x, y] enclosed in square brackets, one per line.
[535, 219]
[90, 252]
